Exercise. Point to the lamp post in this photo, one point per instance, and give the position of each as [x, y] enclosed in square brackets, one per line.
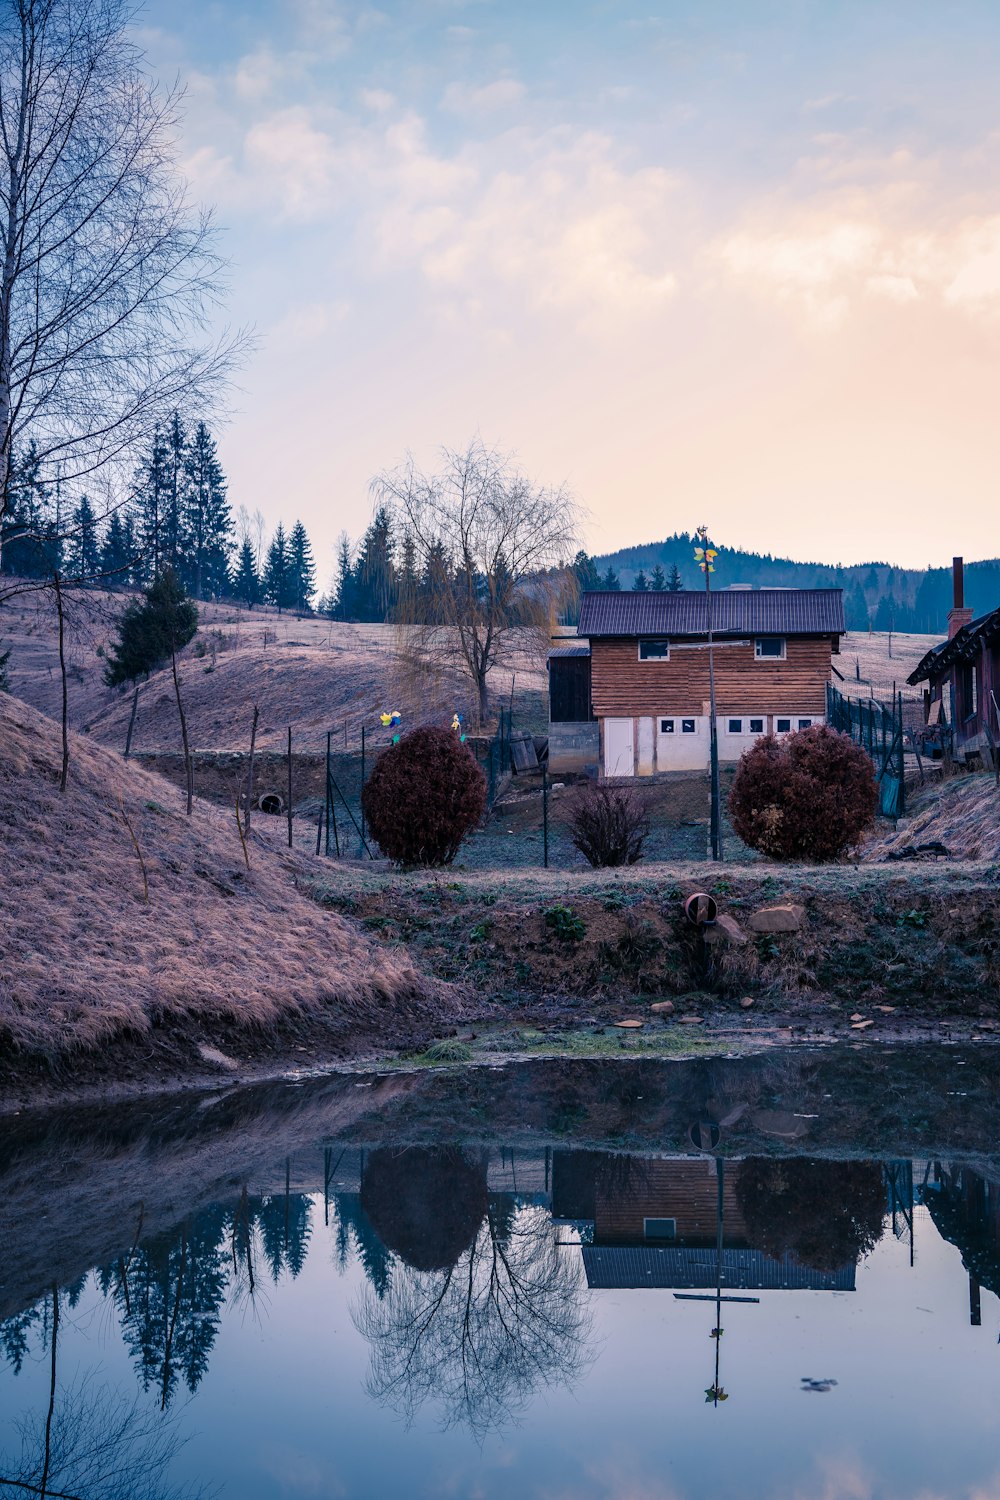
[705, 556]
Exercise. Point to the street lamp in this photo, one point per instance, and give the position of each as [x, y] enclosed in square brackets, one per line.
[705, 556]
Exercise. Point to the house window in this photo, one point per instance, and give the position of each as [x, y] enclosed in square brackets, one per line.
[654, 650]
[756, 726]
[769, 648]
[735, 726]
[805, 723]
[659, 1229]
[782, 726]
[687, 726]
[666, 726]
[967, 691]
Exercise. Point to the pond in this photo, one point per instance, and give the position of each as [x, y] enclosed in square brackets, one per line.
[768, 1276]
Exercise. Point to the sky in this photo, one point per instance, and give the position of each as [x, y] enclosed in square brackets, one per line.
[723, 261]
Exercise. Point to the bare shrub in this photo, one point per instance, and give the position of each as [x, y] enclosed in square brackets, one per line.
[808, 796]
[609, 823]
[424, 795]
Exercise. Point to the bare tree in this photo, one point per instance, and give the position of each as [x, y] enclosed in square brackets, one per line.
[107, 277]
[482, 1335]
[490, 543]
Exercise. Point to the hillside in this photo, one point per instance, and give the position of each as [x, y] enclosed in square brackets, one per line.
[218, 954]
[906, 599]
[309, 672]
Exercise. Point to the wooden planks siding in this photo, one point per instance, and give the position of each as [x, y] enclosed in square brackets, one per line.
[686, 1191]
[621, 685]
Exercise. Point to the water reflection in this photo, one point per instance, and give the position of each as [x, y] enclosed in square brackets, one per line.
[481, 1309]
[451, 1284]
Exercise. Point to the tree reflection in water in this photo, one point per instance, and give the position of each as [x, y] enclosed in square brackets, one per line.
[480, 1315]
[824, 1213]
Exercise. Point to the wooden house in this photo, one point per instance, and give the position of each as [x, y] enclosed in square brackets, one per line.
[648, 705]
[962, 697]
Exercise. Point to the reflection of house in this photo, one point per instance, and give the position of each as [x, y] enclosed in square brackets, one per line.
[655, 1224]
[963, 677]
[647, 673]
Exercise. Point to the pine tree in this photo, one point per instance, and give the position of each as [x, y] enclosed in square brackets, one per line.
[674, 585]
[246, 581]
[585, 570]
[152, 492]
[175, 548]
[32, 546]
[277, 571]
[302, 569]
[640, 584]
[207, 520]
[657, 581]
[83, 553]
[407, 582]
[611, 581]
[374, 572]
[116, 558]
[164, 620]
[344, 594]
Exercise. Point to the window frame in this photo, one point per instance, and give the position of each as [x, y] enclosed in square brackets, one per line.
[684, 726]
[805, 723]
[659, 1239]
[731, 722]
[654, 640]
[671, 722]
[781, 655]
[761, 730]
[778, 723]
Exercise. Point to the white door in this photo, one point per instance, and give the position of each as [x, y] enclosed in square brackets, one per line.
[619, 748]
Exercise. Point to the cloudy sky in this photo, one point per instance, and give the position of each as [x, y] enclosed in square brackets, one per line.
[733, 261]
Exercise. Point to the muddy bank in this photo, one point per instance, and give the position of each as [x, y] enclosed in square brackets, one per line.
[816, 946]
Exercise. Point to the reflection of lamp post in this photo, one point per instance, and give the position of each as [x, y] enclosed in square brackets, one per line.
[705, 556]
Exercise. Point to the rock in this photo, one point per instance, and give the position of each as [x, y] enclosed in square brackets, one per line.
[628, 1025]
[857, 1016]
[779, 1122]
[690, 1020]
[746, 1002]
[726, 929]
[887, 1010]
[217, 1058]
[662, 1007]
[862, 1025]
[788, 918]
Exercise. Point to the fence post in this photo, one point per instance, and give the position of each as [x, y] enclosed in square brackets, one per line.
[545, 818]
[902, 758]
[326, 794]
[362, 798]
[289, 786]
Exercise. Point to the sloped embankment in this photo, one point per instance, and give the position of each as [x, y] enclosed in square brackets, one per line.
[95, 973]
[962, 813]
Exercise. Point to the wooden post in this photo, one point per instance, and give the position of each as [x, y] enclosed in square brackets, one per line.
[64, 772]
[253, 743]
[131, 722]
[545, 818]
[362, 781]
[326, 792]
[289, 786]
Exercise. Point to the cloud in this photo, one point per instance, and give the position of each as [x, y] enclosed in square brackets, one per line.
[462, 99]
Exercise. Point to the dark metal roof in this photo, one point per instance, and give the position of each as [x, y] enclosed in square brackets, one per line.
[734, 612]
[569, 651]
[626, 1266]
[964, 646]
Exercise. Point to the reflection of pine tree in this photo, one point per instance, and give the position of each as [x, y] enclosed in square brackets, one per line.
[15, 1336]
[168, 1297]
[285, 1221]
[354, 1228]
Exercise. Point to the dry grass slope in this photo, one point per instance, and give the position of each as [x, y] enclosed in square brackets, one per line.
[217, 950]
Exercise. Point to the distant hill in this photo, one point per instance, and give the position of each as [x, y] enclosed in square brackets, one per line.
[876, 593]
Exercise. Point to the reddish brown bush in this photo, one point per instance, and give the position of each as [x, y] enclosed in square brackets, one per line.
[424, 795]
[810, 795]
[608, 823]
[826, 1214]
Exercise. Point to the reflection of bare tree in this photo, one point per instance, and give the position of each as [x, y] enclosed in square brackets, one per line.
[481, 1335]
[91, 1445]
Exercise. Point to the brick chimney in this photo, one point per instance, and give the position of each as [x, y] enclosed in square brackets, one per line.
[958, 615]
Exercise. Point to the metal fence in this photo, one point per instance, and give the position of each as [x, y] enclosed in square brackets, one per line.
[878, 728]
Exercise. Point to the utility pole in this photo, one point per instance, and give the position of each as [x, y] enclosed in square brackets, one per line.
[705, 556]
